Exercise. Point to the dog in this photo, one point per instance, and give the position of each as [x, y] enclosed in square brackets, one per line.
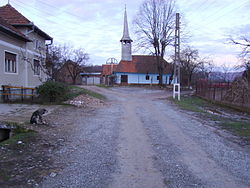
[37, 118]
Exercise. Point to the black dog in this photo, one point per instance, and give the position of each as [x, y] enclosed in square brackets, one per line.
[36, 117]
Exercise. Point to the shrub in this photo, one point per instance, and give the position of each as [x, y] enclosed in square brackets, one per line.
[52, 91]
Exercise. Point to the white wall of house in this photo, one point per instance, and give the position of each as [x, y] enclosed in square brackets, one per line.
[135, 78]
[24, 75]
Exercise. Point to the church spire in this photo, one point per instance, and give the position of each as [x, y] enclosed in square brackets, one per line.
[125, 36]
[126, 40]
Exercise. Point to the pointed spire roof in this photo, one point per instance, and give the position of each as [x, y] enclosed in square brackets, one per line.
[125, 36]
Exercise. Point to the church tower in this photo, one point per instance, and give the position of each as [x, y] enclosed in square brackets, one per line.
[126, 41]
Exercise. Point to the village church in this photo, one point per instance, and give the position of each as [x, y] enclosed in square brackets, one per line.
[134, 69]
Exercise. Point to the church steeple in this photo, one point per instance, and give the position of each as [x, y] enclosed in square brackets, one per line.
[126, 40]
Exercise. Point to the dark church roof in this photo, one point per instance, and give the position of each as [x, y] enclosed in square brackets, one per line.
[142, 64]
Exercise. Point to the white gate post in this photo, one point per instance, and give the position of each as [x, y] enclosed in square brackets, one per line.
[178, 91]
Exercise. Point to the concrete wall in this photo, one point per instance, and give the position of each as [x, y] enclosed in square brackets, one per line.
[92, 80]
[134, 78]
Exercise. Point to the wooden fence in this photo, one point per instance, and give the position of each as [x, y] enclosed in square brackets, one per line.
[220, 92]
[212, 91]
[13, 93]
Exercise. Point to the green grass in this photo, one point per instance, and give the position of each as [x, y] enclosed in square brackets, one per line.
[84, 91]
[75, 91]
[4, 175]
[196, 104]
[19, 133]
[103, 86]
[190, 103]
[239, 128]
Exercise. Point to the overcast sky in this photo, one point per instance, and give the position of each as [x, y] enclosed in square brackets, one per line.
[97, 25]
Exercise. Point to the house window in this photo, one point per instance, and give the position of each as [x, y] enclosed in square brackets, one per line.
[158, 77]
[36, 67]
[36, 44]
[147, 77]
[10, 62]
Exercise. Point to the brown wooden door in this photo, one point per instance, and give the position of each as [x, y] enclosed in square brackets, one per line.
[124, 79]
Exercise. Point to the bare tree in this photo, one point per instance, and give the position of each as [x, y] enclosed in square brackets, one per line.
[38, 67]
[54, 60]
[244, 43]
[206, 68]
[75, 66]
[67, 58]
[226, 77]
[154, 25]
[190, 63]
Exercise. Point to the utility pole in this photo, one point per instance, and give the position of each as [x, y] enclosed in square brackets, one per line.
[177, 75]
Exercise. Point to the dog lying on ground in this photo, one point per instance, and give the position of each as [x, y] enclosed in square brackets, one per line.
[37, 118]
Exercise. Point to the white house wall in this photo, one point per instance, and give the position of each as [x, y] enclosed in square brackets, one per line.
[9, 44]
[134, 78]
[25, 75]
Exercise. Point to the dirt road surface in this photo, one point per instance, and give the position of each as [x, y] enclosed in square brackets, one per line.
[139, 139]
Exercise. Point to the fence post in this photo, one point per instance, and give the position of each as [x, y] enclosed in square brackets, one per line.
[32, 97]
[243, 96]
[221, 91]
[22, 94]
[214, 92]
[3, 92]
[196, 88]
[8, 96]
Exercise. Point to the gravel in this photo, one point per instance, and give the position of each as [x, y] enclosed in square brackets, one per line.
[231, 158]
[89, 155]
[185, 151]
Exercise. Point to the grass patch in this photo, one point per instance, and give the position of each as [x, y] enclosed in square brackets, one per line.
[4, 176]
[239, 128]
[19, 133]
[76, 91]
[90, 93]
[190, 103]
[103, 86]
[196, 104]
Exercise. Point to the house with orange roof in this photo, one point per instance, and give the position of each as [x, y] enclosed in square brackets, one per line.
[140, 71]
[22, 50]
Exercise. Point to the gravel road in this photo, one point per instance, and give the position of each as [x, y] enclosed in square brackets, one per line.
[138, 139]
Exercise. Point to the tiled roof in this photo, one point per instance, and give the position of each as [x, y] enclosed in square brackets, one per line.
[93, 69]
[15, 18]
[12, 16]
[9, 29]
[142, 64]
[108, 69]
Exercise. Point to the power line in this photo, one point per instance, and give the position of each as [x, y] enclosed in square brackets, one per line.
[17, 3]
